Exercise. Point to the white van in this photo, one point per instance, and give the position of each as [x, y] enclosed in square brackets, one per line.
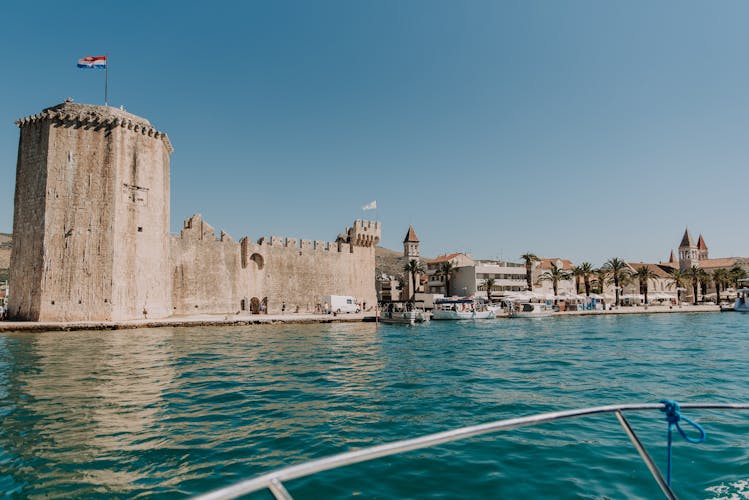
[342, 304]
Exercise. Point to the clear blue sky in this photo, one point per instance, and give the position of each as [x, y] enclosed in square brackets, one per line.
[578, 129]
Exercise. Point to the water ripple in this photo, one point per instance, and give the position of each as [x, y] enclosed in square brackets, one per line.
[175, 412]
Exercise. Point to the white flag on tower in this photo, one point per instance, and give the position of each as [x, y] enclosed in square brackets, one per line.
[370, 206]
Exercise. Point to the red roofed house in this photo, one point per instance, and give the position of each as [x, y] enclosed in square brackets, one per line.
[564, 287]
[435, 278]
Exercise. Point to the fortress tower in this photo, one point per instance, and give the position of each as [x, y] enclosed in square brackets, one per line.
[91, 220]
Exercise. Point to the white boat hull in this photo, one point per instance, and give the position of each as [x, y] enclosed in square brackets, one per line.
[530, 310]
[404, 318]
[440, 314]
[742, 300]
[544, 314]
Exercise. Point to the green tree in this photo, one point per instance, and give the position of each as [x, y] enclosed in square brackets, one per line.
[555, 275]
[693, 275]
[586, 271]
[446, 270]
[721, 278]
[577, 274]
[412, 268]
[643, 274]
[489, 285]
[678, 279]
[601, 277]
[737, 273]
[705, 279]
[619, 271]
[529, 259]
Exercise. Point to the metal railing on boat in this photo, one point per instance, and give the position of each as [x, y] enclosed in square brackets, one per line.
[273, 480]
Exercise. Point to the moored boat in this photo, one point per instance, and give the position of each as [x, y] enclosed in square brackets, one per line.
[741, 300]
[530, 310]
[461, 309]
[403, 313]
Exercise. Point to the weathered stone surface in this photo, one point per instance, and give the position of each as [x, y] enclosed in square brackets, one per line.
[91, 222]
[212, 276]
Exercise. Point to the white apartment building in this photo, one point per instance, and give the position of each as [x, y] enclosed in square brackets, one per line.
[472, 279]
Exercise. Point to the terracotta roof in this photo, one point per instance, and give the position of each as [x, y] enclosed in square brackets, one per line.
[411, 236]
[686, 241]
[653, 268]
[726, 262]
[701, 243]
[546, 263]
[444, 258]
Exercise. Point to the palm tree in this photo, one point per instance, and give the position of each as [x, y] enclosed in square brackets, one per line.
[737, 273]
[586, 271]
[577, 273]
[721, 278]
[555, 274]
[602, 276]
[679, 279]
[446, 270]
[619, 272]
[693, 274]
[704, 281]
[643, 274]
[529, 259]
[413, 268]
[489, 285]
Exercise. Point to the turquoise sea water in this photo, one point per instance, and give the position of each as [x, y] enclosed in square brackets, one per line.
[170, 413]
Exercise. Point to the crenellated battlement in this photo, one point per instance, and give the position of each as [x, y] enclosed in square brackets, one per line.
[362, 234]
[365, 233]
[70, 114]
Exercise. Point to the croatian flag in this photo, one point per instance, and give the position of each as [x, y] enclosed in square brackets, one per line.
[96, 62]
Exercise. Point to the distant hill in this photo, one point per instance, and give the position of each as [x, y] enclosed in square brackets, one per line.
[390, 262]
[5, 241]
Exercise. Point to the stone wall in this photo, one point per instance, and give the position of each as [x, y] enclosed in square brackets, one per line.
[91, 234]
[206, 272]
[220, 275]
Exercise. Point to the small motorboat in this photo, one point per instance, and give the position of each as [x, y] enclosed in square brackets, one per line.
[530, 310]
[403, 312]
[461, 308]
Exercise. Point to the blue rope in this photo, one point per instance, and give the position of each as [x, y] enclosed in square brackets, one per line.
[673, 416]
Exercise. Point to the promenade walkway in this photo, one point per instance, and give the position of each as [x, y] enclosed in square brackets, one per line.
[260, 319]
[196, 320]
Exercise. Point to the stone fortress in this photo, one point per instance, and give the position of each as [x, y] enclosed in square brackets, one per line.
[91, 238]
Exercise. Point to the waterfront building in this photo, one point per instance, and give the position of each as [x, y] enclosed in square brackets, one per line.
[693, 253]
[473, 279]
[388, 288]
[564, 287]
[436, 280]
[660, 286]
[91, 237]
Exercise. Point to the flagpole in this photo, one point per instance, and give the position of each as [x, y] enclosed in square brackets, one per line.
[106, 79]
